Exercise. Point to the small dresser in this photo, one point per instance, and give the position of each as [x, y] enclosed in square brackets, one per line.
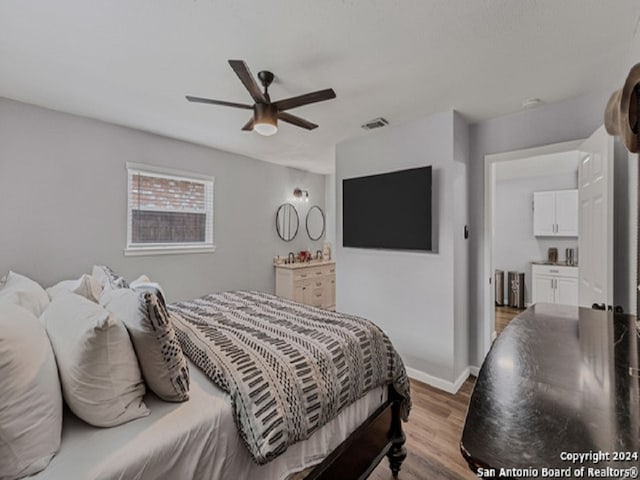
[312, 283]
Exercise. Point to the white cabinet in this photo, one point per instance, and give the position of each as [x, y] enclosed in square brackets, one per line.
[567, 291]
[543, 289]
[312, 283]
[567, 213]
[544, 213]
[555, 213]
[554, 284]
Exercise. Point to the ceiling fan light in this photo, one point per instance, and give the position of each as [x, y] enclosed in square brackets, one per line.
[266, 129]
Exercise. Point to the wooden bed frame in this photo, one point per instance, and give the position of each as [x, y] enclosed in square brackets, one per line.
[381, 434]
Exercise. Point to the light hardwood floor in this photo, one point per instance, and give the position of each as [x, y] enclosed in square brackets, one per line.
[503, 316]
[433, 436]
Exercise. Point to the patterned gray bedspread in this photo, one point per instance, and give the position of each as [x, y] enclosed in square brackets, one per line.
[287, 367]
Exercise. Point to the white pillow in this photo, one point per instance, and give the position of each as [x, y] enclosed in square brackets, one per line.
[86, 285]
[107, 277]
[30, 396]
[144, 282]
[162, 361]
[23, 291]
[100, 376]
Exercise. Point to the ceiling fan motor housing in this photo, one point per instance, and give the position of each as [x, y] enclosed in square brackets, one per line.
[265, 113]
[265, 118]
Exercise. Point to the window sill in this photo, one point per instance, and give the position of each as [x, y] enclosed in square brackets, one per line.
[141, 251]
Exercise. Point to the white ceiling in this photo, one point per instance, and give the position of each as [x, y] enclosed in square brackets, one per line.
[132, 62]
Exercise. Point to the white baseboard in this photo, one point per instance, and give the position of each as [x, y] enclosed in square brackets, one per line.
[494, 335]
[446, 385]
[474, 370]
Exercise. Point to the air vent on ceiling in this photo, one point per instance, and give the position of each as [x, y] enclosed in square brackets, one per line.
[375, 123]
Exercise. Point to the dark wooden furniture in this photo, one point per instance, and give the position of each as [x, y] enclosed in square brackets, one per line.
[558, 379]
[379, 436]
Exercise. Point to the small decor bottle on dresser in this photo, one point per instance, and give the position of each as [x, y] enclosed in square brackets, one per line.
[326, 251]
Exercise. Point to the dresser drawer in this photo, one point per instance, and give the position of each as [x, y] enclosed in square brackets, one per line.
[317, 297]
[318, 282]
[328, 270]
[307, 273]
[555, 270]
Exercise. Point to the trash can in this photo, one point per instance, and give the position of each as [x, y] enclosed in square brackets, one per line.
[510, 283]
[499, 283]
[516, 290]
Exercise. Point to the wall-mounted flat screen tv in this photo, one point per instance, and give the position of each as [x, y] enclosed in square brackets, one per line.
[389, 211]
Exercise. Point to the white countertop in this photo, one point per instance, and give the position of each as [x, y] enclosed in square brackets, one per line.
[312, 263]
[557, 264]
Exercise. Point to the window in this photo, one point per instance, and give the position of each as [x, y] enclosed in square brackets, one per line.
[168, 211]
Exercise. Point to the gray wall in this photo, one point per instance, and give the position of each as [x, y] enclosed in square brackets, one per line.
[330, 212]
[63, 204]
[411, 295]
[514, 244]
[572, 119]
[461, 245]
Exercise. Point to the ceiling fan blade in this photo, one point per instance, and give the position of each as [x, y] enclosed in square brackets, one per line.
[218, 102]
[248, 127]
[293, 102]
[297, 121]
[247, 80]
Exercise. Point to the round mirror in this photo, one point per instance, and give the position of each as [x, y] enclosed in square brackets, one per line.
[315, 223]
[287, 222]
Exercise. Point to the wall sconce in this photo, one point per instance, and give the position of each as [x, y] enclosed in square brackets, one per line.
[301, 194]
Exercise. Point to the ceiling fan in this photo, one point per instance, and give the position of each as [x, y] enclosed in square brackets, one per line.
[266, 113]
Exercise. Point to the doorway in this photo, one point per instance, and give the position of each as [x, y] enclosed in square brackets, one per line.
[606, 253]
[534, 158]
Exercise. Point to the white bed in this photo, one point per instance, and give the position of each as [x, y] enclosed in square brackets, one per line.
[196, 439]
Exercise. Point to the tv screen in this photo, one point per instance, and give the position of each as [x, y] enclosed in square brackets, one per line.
[391, 210]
